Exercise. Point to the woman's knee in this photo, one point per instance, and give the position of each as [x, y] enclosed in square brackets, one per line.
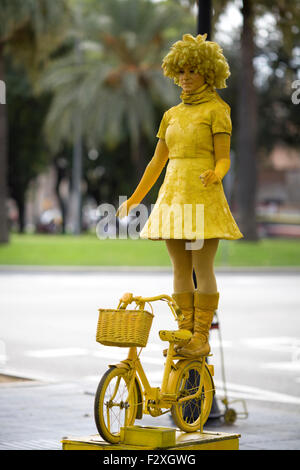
[207, 253]
[179, 255]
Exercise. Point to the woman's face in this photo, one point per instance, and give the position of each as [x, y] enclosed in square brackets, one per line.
[189, 80]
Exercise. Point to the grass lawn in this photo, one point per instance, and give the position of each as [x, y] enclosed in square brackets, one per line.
[87, 250]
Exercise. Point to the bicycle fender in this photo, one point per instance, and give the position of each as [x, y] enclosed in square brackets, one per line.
[175, 372]
[126, 364]
[122, 365]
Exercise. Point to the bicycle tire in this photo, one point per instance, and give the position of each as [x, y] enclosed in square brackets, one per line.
[186, 381]
[108, 421]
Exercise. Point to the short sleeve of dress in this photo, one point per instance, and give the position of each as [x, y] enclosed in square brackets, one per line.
[220, 119]
[163, 126]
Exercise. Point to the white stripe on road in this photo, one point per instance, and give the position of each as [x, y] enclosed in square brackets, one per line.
[61, 352]
[285, 344]
[253, 393]
[242, 392]
[292, 366]
[107, 353]
[116, 355]
[278, 344]
[3, 356]
[155, 378]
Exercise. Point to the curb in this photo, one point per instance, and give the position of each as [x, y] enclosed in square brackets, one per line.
[144, 269]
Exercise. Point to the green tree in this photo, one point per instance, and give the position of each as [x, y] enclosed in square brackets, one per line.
[29, 30]
[27, 151]
[286, 14]
[279, 117]
[117, 82]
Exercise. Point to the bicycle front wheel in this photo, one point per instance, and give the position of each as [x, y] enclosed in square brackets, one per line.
[113, 407]
[187, 414]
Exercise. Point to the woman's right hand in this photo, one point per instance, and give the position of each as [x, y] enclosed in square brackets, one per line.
[126, 207]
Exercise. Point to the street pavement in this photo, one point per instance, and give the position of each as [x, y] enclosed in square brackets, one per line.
[48, 327]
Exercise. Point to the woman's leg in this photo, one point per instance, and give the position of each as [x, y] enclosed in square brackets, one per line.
[203, 264]
[206, 299]
[182, 266]
[183, 284]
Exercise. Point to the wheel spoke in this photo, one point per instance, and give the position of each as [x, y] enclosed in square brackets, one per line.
[187, 414]
[113, 406]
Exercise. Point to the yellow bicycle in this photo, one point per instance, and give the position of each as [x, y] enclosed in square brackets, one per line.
[124, 393]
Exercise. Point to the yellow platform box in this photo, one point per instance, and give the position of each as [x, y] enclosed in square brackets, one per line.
[155, 437]
[150, 438]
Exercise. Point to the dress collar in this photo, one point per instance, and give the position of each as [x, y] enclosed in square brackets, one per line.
[201, 95]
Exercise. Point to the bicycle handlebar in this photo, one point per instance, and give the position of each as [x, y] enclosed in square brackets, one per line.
[140, 301]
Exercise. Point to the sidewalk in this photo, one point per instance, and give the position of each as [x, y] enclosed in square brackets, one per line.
[36, 416]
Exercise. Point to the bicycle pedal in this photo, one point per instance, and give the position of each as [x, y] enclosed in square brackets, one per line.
[175, 336]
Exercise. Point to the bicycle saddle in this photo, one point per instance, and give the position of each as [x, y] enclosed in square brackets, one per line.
[175, 336]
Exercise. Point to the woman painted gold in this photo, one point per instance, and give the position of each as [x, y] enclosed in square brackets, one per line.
[194, 137]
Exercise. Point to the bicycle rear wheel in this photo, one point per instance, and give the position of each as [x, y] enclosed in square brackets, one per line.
[186, 382]
[112, 403]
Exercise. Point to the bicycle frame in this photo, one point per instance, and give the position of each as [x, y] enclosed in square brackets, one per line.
[155, 398]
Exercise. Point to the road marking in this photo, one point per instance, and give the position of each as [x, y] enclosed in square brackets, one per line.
[155, 347]
[279, 344]
[236, 391]
[107, 353]
[155, 378]
[215, 343]
[60, 352]
[3, 356]
[291, 366]
[253, 393]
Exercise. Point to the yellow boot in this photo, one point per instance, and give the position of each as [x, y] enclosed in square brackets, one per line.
[185, 301]
[205, 306]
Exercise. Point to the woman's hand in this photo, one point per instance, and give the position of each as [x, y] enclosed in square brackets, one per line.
[126, 207]
[209, 177]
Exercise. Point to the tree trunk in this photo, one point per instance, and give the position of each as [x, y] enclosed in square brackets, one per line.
[4, 233]
[247, 118]
[20, 201]
[76, 195]
[136, 160]
[60, 175]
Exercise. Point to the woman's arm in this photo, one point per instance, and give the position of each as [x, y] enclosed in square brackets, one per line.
[152, 172]
[222, 159]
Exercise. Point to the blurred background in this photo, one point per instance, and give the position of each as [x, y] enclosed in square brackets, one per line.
[82, 95]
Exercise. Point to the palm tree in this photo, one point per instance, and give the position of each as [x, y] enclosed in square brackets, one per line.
[29, 30]
[119, 80]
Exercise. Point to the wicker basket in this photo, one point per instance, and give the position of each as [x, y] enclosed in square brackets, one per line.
[123, 328]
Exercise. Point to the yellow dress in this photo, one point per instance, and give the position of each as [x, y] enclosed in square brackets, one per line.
[185, 208]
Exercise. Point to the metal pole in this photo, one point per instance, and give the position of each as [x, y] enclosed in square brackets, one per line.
[204, 26]
[204, 18]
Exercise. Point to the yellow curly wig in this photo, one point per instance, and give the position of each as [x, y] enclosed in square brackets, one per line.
[206, 58]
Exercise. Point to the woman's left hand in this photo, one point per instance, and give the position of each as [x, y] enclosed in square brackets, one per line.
[209, 177]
